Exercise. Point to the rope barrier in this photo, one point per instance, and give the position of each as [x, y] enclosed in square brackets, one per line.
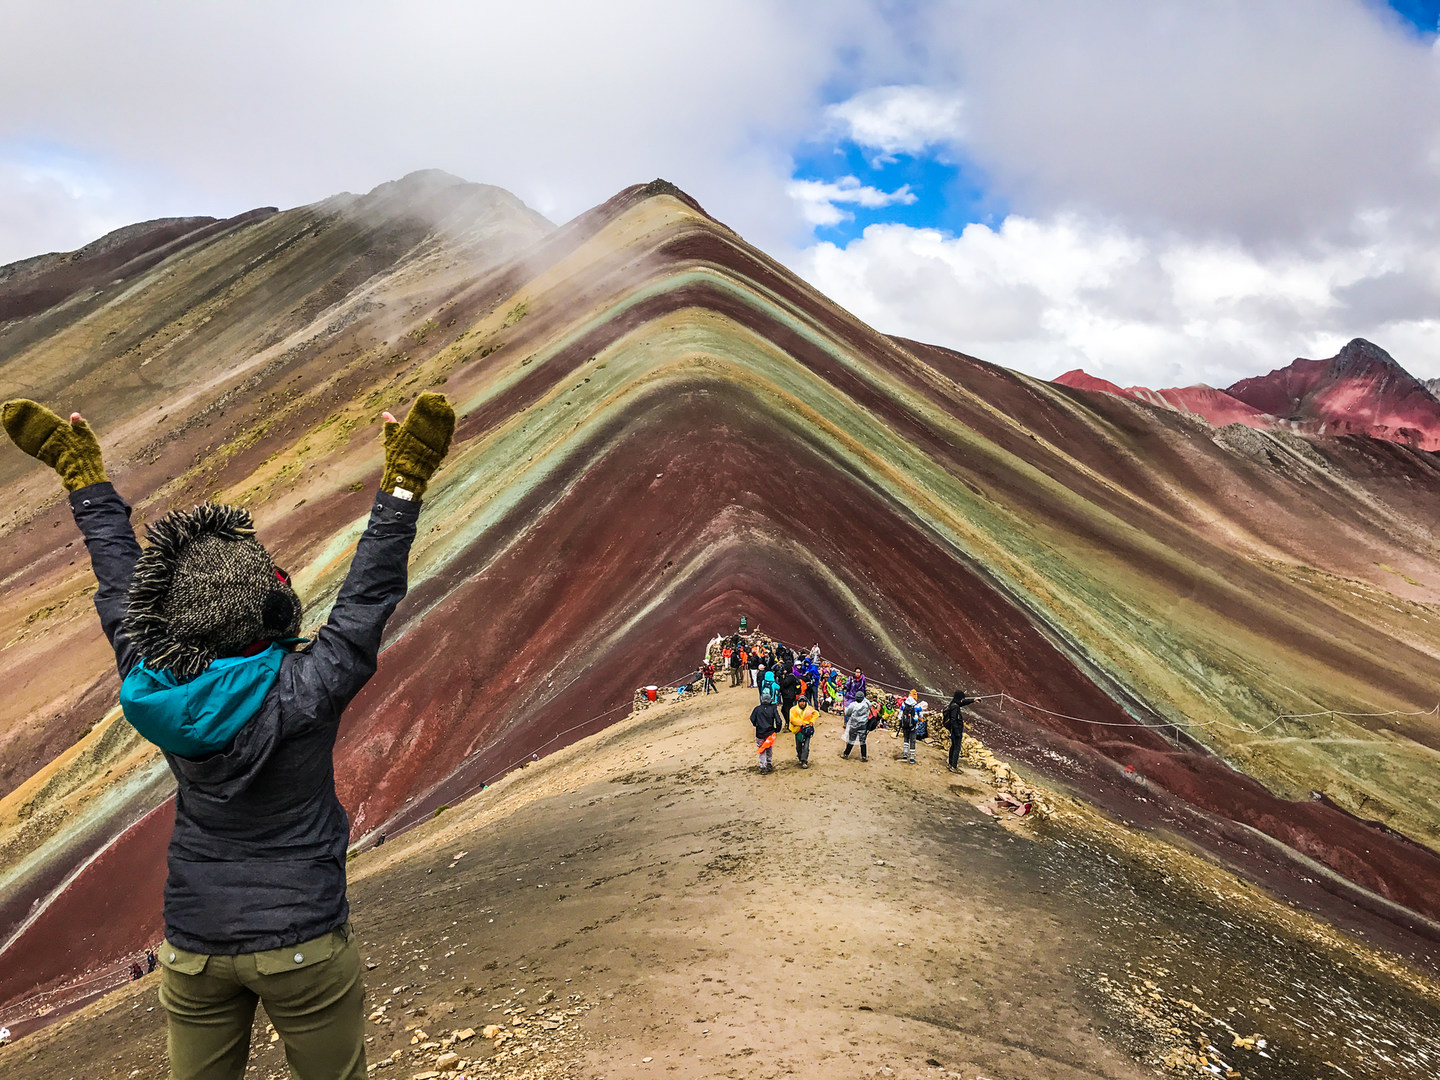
[120, 974]
[1217, 722]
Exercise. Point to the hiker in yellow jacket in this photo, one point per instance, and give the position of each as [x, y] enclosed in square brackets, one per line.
[802, 723]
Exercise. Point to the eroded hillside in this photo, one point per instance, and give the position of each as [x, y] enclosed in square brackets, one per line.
[645, 904]
[661, 428]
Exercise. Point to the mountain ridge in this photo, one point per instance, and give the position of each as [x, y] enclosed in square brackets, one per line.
[612, 900]
[1361, 390]
[660, 428]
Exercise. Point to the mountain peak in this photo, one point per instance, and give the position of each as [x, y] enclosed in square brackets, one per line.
[1361, 390]
[421, 182]
[1358, 351]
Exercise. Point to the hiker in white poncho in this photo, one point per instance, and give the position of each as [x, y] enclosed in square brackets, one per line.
[857, 725]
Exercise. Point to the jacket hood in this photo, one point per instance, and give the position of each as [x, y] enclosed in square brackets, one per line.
[201, 716]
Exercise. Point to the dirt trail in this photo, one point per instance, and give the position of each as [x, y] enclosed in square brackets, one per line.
[644, 904]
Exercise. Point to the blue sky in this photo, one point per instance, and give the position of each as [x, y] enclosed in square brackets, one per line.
[1423, 15]
[947, 195]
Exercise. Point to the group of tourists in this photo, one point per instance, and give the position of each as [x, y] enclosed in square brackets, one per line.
[794, 690]
[906, 716]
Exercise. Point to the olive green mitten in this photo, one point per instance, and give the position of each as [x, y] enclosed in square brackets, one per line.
[71, 449]
[414, 449]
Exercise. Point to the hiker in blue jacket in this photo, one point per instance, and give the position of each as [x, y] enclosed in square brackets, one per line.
[811, 677]
[769, 686]
[204, 628]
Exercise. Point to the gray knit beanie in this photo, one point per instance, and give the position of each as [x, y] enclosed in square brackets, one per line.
[204, 588]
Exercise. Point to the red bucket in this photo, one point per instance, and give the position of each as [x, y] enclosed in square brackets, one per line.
[652, 692]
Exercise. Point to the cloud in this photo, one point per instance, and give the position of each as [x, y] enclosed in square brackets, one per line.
[1260, 119]
[819, 199]
[1196, 190]
[51, 200]
[899, 119]
[1047, 295]
[234, 104]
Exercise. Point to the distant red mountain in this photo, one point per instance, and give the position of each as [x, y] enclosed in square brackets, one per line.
[1360, 390]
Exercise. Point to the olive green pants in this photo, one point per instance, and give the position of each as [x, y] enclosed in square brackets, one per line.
[313, 994]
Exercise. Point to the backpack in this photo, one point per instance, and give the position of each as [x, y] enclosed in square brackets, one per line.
[922, 729]
[767, 694]
[907, 717]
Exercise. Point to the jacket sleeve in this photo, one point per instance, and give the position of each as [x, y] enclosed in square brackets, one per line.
[324, 677]
[104, 520]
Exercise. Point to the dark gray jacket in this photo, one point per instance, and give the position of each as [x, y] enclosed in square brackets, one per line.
[257, 858]
[765, 719]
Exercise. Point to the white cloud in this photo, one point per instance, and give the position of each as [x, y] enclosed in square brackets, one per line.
[239, 103]
[819, 199]
[899, 119]
[1197, 190]
[1048, 295]
[1267, 120]
[52, 201]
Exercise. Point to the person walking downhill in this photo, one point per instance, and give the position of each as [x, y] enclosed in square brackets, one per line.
[753, 668]
[907, 721]
[204, 628]
[954, 718]
[707, 669]
[857, 725]
[765, 719]
[802, 726]
[789, 691]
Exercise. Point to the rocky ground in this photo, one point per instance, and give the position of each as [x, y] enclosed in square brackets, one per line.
[644, 904]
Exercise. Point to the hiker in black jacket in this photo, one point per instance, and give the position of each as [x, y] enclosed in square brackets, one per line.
[789, 691]
[204, 631]
[954, 719]
[765, 719]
